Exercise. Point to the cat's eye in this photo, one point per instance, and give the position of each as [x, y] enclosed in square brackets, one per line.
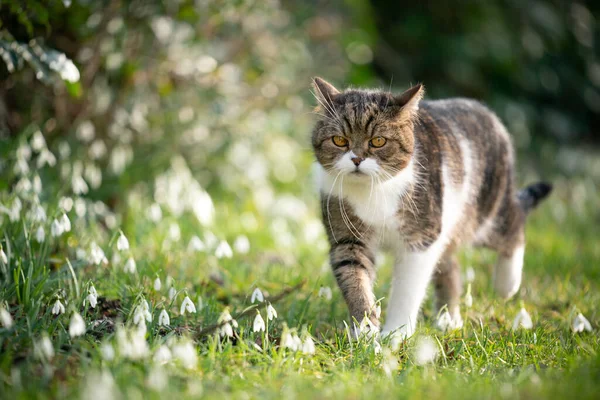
[340, 141]
[377, 141]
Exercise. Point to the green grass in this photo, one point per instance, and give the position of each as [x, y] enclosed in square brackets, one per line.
[486, 359]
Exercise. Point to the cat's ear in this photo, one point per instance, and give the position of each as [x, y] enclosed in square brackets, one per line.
[324, 92]
[409, 100]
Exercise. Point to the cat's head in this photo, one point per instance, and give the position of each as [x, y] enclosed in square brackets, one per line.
[364, 134]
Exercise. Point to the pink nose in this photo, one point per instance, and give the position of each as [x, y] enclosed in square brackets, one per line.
[357, 160]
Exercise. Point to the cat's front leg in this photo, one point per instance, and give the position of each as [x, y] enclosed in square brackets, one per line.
[353, 265]
[412, 273]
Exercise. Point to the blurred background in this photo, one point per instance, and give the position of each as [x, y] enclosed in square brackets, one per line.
[127, 94]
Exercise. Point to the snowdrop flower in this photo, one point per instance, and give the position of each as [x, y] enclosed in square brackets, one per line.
[3, 257]
[257, 295]
[66, 223]
[185, 353]
[228, 323]
[271, 313]
[522, 320]
[37, 187]
[187, 305]
[130, 266]
[172, 293]
[56, 229]
[122, 242]
[157, 284]
[107, 351]
[97, 255]
[470, 274]
[580, 324]
[92, 297]
[154, 213]
[162, 355]
[223, 250]
[46, 158]
[38, 214]
[308, 347]
[66, 203]
[366, 327]
[376, 347]
[78, 185]
[174, 232]
[259, 323]
[241, 244]
[163, 318]
[468, 297]
[132, 344]
[389, 362]
[5, 318]
[196, 244]
[444, 321]
[325, 292]
[76, 325]
[37, 141]
[58, 308]
[43, 348]
[287, 340]
[426, 351]
[40, 235]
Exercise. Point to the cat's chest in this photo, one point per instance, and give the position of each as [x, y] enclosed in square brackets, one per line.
[376, 203]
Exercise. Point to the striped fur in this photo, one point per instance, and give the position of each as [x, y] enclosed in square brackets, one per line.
[443, 179]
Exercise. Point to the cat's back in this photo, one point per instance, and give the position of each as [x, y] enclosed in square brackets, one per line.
[463, 117]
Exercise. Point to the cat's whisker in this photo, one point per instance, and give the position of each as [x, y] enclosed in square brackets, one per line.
[328, 212]
[345, 213]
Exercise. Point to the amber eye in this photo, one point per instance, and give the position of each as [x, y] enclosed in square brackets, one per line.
[340, 141]
[377, 141]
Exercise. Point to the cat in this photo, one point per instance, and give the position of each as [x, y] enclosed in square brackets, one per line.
[421, 179]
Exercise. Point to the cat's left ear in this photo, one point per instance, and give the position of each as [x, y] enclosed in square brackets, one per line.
[409, 100]
[325, 92]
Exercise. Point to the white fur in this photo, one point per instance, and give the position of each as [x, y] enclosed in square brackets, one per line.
[377, 203]
[508, 272]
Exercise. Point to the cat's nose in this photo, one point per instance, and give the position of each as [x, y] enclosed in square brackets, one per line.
[357, 160]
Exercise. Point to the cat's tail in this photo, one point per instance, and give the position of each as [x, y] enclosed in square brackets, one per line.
[530, 196]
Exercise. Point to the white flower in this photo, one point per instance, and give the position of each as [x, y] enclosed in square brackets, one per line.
[78, 185]
[426, 350]
[40, 235]
[172, 293]
[132, 344]
[38, 214]
[58, 308]
[66, 223]
[5, 318]
[92, 297]
[444, 321]
[174, 232]
[66, 203]
[141, 313]
[376, 347]
[43, 348]
[187, 305]
[154, 213]
[257, 295]
[122, 242]
[56, 229]
[581, 323]
[389, 363]
[163, 318]
[522, 320]
[223, 250]
[162, 355]
[37, 187]
[185, 353]
[468, 297]
[241, 244]
[308, 347]
[3, 257]
[271, 312]
[157, 284]
[130, 266]
[76, 325]
[97, 255]
[259, 323]
[107, 351]
[287, 340]
[228, 323]
[470, 274]
[325, 292]
[196, 244]
[46, 158]
[37, 141]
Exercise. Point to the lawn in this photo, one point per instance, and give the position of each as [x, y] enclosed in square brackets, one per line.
[149, 287]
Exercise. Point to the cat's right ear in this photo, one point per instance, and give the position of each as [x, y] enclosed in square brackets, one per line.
[325, 92]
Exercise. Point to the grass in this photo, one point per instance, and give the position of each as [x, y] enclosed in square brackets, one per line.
[486, 359]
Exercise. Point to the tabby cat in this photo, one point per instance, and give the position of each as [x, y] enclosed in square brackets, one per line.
[420, 179]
